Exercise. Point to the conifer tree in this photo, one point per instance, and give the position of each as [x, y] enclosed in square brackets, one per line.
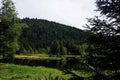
[63, 49]
[106, 36]
[55, 48]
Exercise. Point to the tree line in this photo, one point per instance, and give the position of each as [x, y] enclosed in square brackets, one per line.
[103, 49]
[29, 36]
[41, 34]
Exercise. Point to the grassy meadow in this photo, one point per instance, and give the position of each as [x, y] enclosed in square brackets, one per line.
[25, 72]
[17, 72]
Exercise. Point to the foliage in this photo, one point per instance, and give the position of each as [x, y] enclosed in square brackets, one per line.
[55, 48]
[63, 49]
[106, 36]
[10, 29]
[83, 50]
[41, 34]
[68, 47]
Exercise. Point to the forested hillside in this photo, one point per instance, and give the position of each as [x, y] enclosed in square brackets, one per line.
[39, 35]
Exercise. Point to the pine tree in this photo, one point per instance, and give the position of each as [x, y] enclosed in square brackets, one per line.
[106, 36]
[10, 29]
[63, 50]
[55, 48]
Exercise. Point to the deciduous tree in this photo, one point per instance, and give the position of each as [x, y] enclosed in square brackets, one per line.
[10, 29]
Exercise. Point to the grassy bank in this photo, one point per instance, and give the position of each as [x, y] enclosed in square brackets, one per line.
[36, 57]
[17, 72]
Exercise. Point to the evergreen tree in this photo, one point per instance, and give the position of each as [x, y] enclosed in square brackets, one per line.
[41, 33]
[63, 50]
[106, 36]
[83, 50]
[10, 29]
[55, 48]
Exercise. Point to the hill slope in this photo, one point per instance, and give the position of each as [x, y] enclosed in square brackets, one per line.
[41, 33]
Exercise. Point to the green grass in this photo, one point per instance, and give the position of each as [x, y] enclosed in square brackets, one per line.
[17, 72]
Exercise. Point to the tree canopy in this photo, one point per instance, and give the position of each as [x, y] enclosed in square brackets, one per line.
[41, 33]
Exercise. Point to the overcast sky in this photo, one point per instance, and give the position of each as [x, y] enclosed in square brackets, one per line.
[69, 12]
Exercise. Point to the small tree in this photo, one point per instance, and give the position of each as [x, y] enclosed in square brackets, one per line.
[55, 48]
[83, 50]
[10, 29]
[63, 50]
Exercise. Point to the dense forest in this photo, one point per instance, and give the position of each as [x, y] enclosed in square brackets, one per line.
[76, 54]
[40, 34]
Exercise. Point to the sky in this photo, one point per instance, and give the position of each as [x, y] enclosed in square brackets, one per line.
[68, 12]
